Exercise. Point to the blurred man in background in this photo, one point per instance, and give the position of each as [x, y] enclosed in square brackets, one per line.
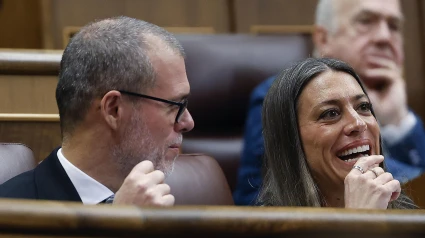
[367, 34]
[122, 97]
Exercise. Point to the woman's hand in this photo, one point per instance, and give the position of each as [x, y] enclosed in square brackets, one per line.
[373, 188]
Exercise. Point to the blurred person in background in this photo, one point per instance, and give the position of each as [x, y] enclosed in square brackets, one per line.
[367, 34]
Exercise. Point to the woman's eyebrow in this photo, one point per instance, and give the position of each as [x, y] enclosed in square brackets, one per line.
[336, 101]
[359, 96]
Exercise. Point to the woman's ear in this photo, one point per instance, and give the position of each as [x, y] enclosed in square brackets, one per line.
[111, 108]
[320, 40]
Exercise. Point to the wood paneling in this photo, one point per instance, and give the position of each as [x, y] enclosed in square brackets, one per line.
[29, 62]
[28, 94]
[199, 14]
[281, 29]
[28, 80]
[20, 25]
[273, 12]
[177, 13]
[421, 8]
[39, 135]
[60, 219]
[414, 66]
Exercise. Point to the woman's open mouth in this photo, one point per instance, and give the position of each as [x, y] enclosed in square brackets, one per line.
[353, 154]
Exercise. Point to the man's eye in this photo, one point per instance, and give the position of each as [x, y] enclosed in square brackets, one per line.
[365, 20]
[174, 106]
[329, 114]
[394, 26]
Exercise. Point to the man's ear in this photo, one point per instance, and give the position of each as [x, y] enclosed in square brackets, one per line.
[320, 40]
[111, 108]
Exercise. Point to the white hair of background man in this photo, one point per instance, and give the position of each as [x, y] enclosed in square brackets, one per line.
[325, 17]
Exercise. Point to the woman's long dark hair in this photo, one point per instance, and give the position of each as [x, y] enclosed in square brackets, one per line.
[288, 180]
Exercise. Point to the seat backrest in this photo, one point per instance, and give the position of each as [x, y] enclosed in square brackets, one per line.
[415, 190]
[223, 69]
[198, 180]
[14, 160]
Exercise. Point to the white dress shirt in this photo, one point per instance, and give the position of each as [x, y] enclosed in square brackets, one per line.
[395, 133]
[90, 191]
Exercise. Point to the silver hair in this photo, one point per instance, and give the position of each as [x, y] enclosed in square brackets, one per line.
[326, 18]
[325, 15]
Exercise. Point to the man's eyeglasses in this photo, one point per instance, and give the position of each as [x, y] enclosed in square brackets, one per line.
[182, 105]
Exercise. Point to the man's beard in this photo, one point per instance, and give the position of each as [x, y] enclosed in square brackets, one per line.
[136, 145]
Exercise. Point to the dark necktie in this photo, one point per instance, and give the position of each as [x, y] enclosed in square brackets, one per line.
[109, 200]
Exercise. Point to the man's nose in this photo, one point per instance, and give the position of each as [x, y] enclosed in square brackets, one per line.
[382, 31]
[185, 123]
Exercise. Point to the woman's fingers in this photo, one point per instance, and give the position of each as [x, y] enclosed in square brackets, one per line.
[369, 186]
[394, 186]
[384, 178]
[364, 163]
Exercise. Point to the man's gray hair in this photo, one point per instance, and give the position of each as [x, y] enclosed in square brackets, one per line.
[326, 15]
[326, 18]
[111, 54]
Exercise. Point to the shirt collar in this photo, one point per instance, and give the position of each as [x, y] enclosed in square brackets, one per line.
[89, 190]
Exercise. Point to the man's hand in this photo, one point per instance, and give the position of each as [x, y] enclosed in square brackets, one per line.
[144, 186]
[387, 91]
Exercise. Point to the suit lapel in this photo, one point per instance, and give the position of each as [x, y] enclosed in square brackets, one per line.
[52, 182]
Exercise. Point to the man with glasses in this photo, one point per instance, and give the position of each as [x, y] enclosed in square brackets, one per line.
[122, 98]
[367, 34]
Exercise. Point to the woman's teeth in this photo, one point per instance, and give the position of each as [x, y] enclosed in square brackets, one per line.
[358, 149]
[355, 159]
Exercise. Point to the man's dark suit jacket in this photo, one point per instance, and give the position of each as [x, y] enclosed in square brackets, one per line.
[48, 181]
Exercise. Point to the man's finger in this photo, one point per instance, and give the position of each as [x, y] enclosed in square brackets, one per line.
[383, 62]
[381, 76]
[156, 177]
[145, 167]
[167, 200]
[162, 189]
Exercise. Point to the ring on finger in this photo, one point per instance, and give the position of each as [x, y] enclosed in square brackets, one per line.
[358, 168]
[376, 173]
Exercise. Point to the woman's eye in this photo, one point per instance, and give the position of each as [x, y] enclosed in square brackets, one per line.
[365, 107]
[329, 114]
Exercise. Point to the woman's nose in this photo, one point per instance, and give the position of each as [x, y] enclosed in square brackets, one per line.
[355, 123]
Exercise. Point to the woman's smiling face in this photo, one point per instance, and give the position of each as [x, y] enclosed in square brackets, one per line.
[336, 125]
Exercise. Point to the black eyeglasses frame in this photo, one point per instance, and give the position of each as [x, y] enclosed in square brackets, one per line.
[182, 105]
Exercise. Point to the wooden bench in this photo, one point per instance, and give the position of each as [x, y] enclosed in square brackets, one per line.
[20, 218]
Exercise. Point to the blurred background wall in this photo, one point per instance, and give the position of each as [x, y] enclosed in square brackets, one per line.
[48, 24]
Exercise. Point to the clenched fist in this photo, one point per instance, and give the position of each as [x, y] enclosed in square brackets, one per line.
[373, 189]
[144, 186]
[387, 91]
